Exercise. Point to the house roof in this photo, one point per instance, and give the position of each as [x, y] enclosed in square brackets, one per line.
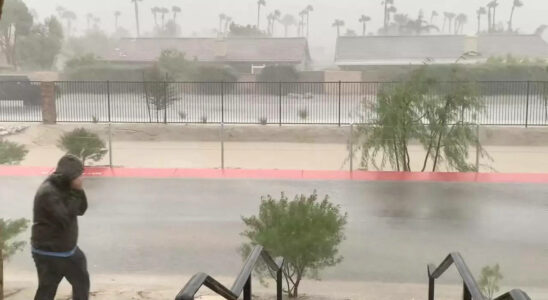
[373, 50]
[290, 50]
[532, 46]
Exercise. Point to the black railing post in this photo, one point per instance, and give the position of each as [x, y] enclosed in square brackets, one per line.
[108, 100]
[165, 99]
[466, 293]
[222, 102]
[431, 282]
[527, 105]
[280, 102]
[340, 86]
[247, 289]
[279, 284]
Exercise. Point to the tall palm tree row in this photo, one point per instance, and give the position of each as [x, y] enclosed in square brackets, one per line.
[388, 5]
[288, 21]
[155, 11]
[492, 9]
[308, 10]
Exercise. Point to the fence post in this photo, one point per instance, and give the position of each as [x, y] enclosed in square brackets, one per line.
[108, 101]
[280, 102]
[165, 99]
[527, 105]
[247, 289]
[49, 111]
[222, 102]
[431, 282]
[279, 284]
[478, 148]
[110, 144]
[340, 86]
[351, 146]
[222, 146]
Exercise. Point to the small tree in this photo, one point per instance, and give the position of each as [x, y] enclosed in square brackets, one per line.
[305, 231]
[11, 153]
[8, 231]
[83, 144]
[489, 280]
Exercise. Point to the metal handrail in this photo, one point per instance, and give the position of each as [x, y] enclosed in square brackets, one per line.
[242, 283]
[471, 288]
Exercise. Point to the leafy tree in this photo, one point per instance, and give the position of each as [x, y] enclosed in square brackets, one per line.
[247, 30]
[16, 21]
[489, 280]
[305, 231]
[287, 21]
[278, 73]
[83, 144]
[440, 113]
[175, 64]
[42, 46]
[8, 231]
[11, 153]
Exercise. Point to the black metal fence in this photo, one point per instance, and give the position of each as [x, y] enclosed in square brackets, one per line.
[336, 103]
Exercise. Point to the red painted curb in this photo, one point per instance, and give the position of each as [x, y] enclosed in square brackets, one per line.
[16, 171]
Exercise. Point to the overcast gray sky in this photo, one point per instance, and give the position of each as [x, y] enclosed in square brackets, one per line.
[200, 17]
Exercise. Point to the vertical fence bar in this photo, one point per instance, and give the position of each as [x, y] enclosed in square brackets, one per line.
[165, 98]
[340, 86]
[279, 284]
[247, 289]
[110, 144]
[351, 146]
[527, 105]
[108, 102]
[478, 143]
[466, 293]
[222, 102]
[280, 103]
[222, 146]
[431, 282]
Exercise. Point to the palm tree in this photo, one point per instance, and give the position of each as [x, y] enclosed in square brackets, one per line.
[228, 22]
[302, 14]
[69, 16]
[492, 6]
[391, 10]
[364, 19]
[308, 10]
[387, 13]
[155, 11]
[288, 20]
[451, 16]
[338, 23]
[176, 10]
[89, 19]
[136, 3]
[460, 20]
[517, 3]
[164, 11]
[222, 18]
[481, 11]
[117, 15]
[259, 4]
[434, 15]
[275, 16]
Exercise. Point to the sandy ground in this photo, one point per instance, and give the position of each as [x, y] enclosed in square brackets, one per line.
[120, 287]
[261, 147]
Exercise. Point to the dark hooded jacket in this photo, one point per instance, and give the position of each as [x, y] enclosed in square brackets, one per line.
[56, 208]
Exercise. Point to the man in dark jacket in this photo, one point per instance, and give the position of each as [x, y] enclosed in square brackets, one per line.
[57, 204]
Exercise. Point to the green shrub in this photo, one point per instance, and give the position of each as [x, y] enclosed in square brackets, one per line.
[489, 280]
[278, 73]
[11, 153]
[11, 229]
[306, 232]
[83, 144]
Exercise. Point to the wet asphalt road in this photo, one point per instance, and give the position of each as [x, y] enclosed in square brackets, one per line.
[182, 226]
